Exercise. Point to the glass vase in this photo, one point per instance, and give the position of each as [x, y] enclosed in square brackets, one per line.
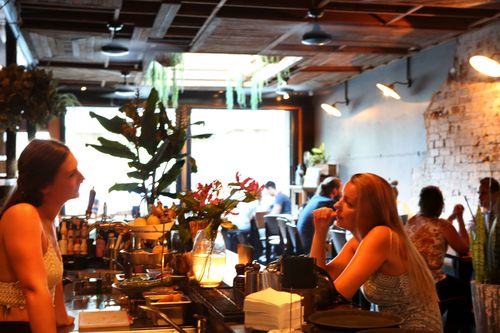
[209, 259]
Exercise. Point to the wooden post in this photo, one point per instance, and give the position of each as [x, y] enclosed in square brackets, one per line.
[10, 153]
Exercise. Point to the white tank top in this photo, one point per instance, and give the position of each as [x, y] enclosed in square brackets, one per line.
[11, 293]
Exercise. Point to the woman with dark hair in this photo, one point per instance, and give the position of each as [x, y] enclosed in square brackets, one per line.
[379, 258]
[327, 193]
[432, 235]
[31, 294]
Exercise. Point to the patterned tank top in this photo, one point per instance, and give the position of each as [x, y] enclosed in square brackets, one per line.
[425, 233]
[11, 293]
[392, 294]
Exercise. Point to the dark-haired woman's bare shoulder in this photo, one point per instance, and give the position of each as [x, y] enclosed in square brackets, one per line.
[21, 216]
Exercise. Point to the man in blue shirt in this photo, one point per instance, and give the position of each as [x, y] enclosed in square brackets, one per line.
[282, 203]
[327, 194]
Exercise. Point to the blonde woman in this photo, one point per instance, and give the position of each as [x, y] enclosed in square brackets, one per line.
[380, 259]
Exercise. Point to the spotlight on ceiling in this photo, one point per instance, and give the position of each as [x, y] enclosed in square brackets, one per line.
[284, 92]
[485, 65]
[332, 109]
[112, 49]
[389, 90]
[316, 36]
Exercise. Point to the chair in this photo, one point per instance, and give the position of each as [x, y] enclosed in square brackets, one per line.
[274, 242]
[338, 239]
[294, 239]
[284, 236]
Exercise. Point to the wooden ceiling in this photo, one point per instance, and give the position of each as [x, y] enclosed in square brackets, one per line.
[65, 36]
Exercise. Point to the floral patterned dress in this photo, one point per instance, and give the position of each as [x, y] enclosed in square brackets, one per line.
[425, 232]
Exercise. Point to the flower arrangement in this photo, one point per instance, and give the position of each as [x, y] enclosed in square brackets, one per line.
[208, 204]
[154, 146]
[31, 94]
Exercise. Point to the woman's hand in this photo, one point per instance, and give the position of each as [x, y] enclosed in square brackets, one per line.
[323, 218]
[457, 213]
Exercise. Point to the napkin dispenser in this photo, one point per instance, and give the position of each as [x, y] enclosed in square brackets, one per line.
[298, 272]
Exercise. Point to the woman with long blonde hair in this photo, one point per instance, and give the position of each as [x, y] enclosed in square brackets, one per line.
[380, 259]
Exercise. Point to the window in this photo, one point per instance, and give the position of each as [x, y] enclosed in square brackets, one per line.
[255, 143]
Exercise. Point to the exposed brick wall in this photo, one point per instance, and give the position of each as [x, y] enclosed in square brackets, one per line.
[463, 125]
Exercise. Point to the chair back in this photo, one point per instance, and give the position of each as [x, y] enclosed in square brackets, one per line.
[259, 219]
[294, 238]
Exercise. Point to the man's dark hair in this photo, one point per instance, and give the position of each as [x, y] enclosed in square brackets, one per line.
[492, 184]
[270, 184]
[327, 186]
[431, 201]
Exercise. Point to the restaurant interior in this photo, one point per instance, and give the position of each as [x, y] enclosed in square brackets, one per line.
[392, 88]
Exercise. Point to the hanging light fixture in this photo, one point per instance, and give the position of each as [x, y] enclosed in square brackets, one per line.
[485, 65]
[113, 49]
[125, 90]
[332, 109]
[316, 36]
[389, 89]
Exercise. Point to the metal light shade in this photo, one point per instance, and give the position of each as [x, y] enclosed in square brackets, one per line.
[125, 92]
[331, 109]
[388, 90]
[316, 36]
[485, 65]
[114, 50]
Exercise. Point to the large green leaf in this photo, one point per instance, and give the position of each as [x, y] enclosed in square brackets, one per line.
[130, 187]
[113, 125]
[136, 174]
[149, 123]
[113, 148]
[170, 176]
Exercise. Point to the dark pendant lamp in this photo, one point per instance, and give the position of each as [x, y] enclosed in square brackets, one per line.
[316, 36]
[332, 109]
[113, 49]
[389, 90]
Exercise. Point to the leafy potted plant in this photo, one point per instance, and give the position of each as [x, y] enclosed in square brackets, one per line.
[485, 248]
[154, 146]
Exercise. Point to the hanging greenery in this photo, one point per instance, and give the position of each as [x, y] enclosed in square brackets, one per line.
[257, 85]
[31, 94]
[165, 79]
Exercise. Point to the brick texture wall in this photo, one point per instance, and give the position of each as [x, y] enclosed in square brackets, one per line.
[463, 125]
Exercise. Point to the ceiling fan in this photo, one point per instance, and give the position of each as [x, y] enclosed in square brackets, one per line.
[114, 49]
[125, 90]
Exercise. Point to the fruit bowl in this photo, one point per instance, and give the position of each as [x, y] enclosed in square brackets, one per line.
[150, 231]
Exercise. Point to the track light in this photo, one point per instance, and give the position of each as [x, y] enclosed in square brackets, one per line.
[284, 92]
[316, 36]
[113, 49]
[389, 89]
[485, 65]
[332, 109]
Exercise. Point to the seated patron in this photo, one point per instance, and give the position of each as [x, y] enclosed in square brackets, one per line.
[432, 235]
[489, 194]
[327, 194]
[282, 203]
[379, 258]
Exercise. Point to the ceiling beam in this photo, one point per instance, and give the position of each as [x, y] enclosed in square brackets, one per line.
[399, 17]
[163, 20]
[208, 21]
[339, 49]
[332, 69]
[129, 66]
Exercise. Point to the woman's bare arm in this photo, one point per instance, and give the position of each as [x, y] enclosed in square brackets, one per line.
[23, 244]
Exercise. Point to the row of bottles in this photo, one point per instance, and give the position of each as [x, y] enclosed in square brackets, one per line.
[73, 236]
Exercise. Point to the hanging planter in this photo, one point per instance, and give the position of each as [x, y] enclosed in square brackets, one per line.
[30, 94]
[165, 78]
